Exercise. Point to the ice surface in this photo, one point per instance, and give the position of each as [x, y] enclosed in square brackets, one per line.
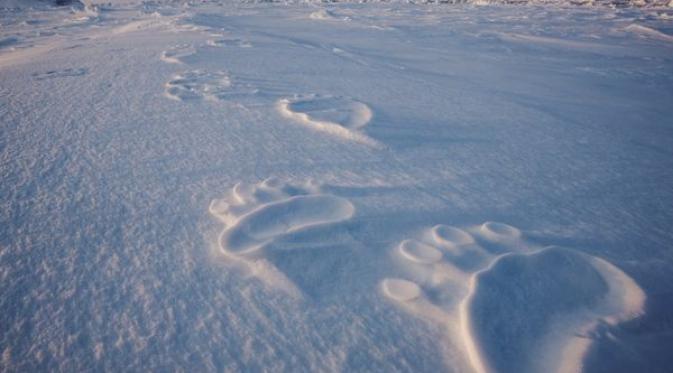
[225, 186]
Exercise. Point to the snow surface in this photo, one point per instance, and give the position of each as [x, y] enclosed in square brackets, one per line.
[345, 187]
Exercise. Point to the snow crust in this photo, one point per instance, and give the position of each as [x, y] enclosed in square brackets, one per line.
[220, 186]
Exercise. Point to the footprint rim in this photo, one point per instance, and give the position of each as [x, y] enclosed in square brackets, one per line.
[419, 252]
[499, 231]
[454, 238]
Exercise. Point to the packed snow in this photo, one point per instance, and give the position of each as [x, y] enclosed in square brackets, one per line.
[290, 187]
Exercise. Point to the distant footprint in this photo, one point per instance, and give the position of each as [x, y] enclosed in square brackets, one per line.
[255, 216]
[177, 53]
[204, 85]
[229, 42]
[508, 306]
[322, 14]
[197, 85]
[64, 73]
[338, 116]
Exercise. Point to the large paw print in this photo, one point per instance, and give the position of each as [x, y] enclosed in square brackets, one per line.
[257, 217]
[510, 306]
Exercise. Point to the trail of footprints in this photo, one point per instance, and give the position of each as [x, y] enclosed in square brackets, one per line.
[195, 85]
[506, 304]
[339, 116]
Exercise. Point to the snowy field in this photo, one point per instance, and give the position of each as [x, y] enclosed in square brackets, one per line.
[335, 187]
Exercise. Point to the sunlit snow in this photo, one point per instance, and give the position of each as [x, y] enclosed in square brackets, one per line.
[320, 187]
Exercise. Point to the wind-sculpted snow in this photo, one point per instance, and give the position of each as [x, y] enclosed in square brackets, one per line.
[510, 306]
[649, 32]
[177, 53]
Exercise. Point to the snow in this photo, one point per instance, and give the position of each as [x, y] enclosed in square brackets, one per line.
[221, 186]
[341, 116]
